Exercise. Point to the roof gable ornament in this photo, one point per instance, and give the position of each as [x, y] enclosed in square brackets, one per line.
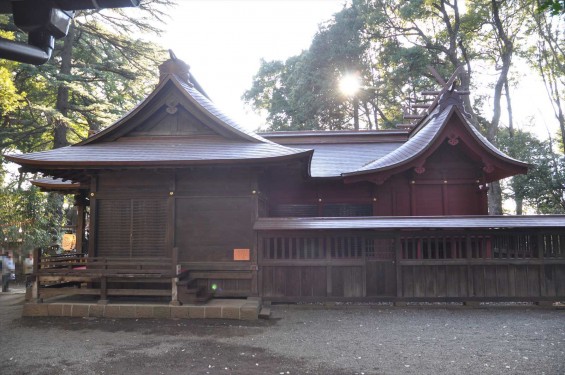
[177, 67]
[454, 98]
[446, 96]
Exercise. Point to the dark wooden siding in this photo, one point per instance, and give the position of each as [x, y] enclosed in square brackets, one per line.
[132, 227]
[208, 229]
[114, 227]
[206, 212]
[149, 227]
[485, 265]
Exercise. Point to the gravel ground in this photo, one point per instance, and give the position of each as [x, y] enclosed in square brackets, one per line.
[301, 339]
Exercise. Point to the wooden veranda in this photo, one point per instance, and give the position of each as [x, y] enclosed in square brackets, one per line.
[410, 264]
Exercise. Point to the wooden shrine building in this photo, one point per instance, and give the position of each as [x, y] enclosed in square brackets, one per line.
[176, 190]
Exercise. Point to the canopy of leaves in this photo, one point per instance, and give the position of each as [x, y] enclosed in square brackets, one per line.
[96, 73]
[101, 69]
[542, 190]
[302, 92]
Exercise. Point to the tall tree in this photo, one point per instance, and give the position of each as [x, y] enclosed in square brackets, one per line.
[543, 188]
[548, 56]
[96, 73]
[302, 92]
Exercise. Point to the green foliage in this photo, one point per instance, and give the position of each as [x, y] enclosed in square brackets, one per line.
[31, 211]
[302, 92]
[101, 69]
[543, 188]
[96, 73]
[555, 7]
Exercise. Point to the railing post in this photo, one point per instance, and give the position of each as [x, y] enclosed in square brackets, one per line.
[540, 255]
[103, 291]
[35, 275]
[176, 271]
[398, 259]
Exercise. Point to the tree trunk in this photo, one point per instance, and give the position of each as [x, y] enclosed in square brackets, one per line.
[495, 199]
[506, 52]
[509, 109]
[62, 104]
[368, 114]
[519, 205]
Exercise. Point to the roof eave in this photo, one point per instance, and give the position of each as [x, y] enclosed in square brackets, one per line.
[47, 165]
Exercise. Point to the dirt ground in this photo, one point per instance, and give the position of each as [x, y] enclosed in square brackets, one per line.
[298, 339]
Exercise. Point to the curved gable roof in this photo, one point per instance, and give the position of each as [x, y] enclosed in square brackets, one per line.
[200, 101]
[227, 142]
[429, 135]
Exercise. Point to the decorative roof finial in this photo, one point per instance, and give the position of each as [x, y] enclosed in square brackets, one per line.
[177, 67]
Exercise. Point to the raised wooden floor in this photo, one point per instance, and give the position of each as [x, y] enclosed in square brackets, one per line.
[239, 309]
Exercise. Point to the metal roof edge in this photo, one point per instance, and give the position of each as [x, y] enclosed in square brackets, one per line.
[406, 144]
[411, 222]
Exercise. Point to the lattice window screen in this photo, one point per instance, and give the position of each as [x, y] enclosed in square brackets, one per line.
[149, 227]
[132, 227]
[114, 227]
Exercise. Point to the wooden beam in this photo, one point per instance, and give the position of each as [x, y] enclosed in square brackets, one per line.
[405, 126]
[430, 93]
[436, 75]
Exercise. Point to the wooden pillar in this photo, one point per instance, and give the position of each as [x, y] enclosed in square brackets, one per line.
[103, 291]
[80, 204]
[398, 258]
[93, 217]
[326, 245]
[542, 277]
[176, 271]
[35, 286]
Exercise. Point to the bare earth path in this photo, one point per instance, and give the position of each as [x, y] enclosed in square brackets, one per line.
[297, 340]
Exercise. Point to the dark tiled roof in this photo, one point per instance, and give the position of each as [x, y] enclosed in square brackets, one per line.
[331, 160]
[417, 144]
[211, 108]
[167, 151]
[244, 145]
[422, 222]
[426, 136]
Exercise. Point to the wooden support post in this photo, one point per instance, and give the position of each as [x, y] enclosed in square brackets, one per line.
[103, 291]
[363, 246]
[93, 221]
[35, 286]
[329, 286]
[176, 271]
[398, 258]
[80, 202]
[542, 277]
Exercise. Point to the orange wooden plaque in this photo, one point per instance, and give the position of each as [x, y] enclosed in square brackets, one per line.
[241, 254]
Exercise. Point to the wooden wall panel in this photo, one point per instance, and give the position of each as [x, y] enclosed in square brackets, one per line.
[149, 227]
[313, 281]
[490, 282]
[294, 282]
[209, 228]
[464, 200]
[428, 200]
[228, 287]
[215, 182]
[347, 281]
[132, 227]
[380, 278]
[114, 227]
[135, 181]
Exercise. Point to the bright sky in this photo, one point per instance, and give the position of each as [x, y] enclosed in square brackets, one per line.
[224, 40]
